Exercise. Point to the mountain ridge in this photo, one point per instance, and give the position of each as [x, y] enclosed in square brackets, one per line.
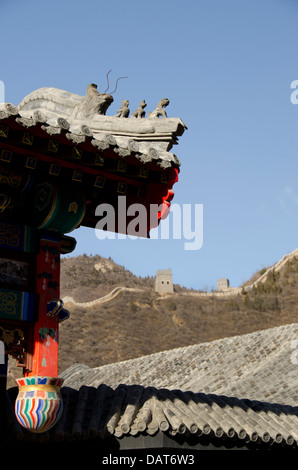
[261, 276]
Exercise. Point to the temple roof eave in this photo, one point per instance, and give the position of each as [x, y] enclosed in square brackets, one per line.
[89, 112]
[149, 146]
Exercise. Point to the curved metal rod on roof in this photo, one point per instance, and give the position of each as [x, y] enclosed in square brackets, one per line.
[108, 80]
[116, 85]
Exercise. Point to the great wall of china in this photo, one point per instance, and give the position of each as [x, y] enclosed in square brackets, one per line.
[231, 291]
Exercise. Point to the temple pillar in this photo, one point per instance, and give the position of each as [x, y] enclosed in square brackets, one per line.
[44, 341]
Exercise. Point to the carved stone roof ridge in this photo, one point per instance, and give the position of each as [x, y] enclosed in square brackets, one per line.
[57, 111]
[80, 112]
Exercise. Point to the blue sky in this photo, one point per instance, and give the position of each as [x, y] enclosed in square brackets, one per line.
[226, 67]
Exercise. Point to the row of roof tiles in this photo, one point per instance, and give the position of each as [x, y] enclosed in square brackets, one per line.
[143, 405]
[144, 153]
[260, 366]
[132, 410]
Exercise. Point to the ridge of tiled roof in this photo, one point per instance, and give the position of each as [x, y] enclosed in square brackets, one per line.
[145, 152]
[55, 112]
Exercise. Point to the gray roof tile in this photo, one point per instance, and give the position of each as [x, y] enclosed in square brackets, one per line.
[257, 366]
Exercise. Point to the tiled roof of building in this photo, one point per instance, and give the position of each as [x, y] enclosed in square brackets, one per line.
[242, 388]
[259, 366]
[55, 112]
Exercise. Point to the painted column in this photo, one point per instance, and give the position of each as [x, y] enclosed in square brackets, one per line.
[45, 332]
[39, 405]
[56, 211]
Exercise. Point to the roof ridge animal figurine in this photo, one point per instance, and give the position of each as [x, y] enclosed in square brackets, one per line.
[140, 112]
[124, 109]
[159, 111]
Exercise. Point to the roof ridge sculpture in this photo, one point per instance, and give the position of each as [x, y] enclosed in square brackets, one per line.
[156, 131]
[79, 117]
